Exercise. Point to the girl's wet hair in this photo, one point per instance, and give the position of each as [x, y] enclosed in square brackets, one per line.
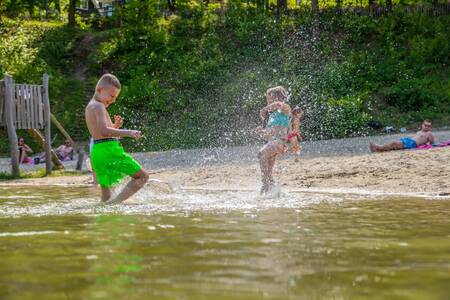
[279, 92]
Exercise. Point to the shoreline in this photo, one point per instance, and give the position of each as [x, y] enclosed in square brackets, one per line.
[416, 173]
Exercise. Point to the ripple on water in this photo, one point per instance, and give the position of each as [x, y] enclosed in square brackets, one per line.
[27, 233]
[147, 202]
[82, 201]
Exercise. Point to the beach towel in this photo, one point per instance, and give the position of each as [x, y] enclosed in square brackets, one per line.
[441, 144]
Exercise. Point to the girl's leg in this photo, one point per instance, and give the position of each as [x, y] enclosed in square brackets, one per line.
[277, 149]
[267, 156]
[272, 160]
[263, 156]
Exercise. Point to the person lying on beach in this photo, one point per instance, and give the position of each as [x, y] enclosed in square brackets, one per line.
[65, 151]
[23, 150]
[275, 132]
[109, 160]
[423, 137]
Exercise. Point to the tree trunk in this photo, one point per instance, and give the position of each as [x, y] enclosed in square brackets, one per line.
[389, 5]
[260, 4]
[281, 6]
[58, 6]
[71, 13]
[315, 6]
[171, 5]
[46, 7]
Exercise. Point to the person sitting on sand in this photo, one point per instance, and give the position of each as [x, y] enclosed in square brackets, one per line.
[23, 150]
[109, 160]
[275, 130]
[423, 137]
[65, 151]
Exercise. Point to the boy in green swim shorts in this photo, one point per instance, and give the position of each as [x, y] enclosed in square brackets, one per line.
[109, 160]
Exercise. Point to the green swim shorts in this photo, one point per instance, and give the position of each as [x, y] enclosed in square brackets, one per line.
[111, 164]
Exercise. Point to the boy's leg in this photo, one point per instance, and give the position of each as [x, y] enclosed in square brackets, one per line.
[106, 194]
[397, 145]
[138, 181]
[94, 178]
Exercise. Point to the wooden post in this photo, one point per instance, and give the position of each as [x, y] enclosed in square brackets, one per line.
[9, 120]
[61, 129]
[47, 124]
[80, 160]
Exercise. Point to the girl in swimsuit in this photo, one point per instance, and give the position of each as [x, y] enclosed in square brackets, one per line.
[281, 133]
[277, 113]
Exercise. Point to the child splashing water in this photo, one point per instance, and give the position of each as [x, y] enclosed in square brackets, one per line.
[109, 160]
[281, 131]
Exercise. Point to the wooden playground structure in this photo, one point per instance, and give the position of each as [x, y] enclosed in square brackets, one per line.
[27, 106]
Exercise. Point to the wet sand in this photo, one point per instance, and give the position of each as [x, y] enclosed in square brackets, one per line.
[402, 172]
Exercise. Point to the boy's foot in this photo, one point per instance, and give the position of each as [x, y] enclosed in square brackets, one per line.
[112, 201]
[264, 189]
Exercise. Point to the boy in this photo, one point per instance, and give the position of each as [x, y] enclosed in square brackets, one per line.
[423, 137]
[109, 161]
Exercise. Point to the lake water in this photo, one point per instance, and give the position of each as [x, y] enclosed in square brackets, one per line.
[58, 243]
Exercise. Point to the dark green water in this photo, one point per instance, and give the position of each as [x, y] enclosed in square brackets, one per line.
[59, 244]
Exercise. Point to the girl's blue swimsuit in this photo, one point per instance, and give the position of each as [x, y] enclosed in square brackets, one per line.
[277, 118]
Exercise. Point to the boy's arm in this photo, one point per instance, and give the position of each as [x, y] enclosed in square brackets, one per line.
[432, 139]
[118, 121]
[104, 130]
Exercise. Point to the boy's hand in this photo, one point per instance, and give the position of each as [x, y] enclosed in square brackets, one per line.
[136, 134]
[118, 121]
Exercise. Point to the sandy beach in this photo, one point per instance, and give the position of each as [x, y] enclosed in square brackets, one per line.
[403, 172]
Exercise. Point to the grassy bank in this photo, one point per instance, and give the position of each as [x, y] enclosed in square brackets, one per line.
[197, 78]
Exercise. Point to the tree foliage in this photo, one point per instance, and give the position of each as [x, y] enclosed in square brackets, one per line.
[196, 75]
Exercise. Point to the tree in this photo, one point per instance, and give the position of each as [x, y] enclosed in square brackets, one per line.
[281, 5]
[389, 5]
[171, 5]
[315, 6]
[58, 6]
[71, 12]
